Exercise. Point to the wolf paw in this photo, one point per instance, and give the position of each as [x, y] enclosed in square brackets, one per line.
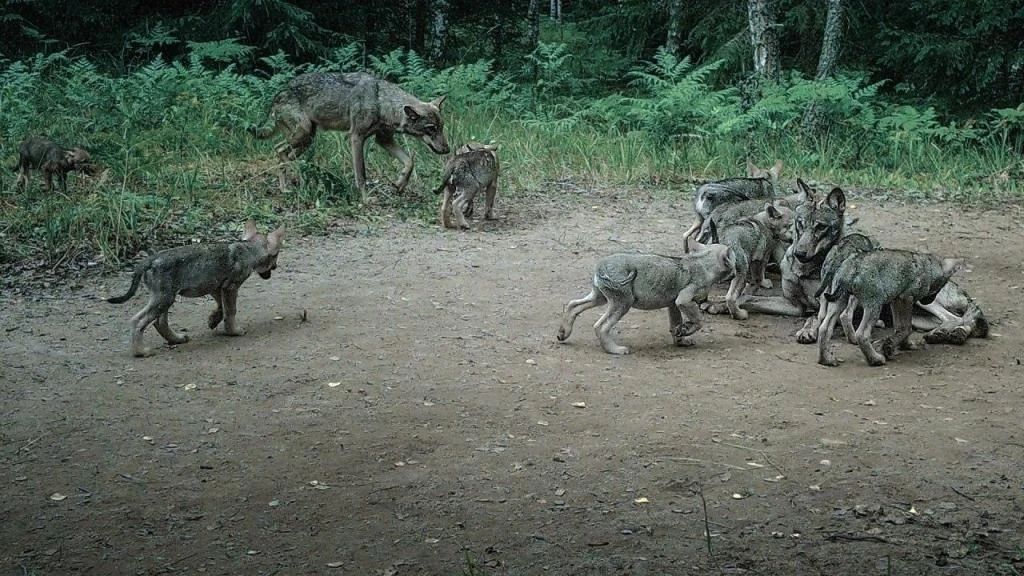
[716, 308]
[829, 360]
[617, 350]
[806, 336]
[235, 331]
[684, 342]
[740, 314]
[766, 284]
[215, 317]
[143, 352]
[562, 335]
[888, 348]
[956, 336]
[876, 360]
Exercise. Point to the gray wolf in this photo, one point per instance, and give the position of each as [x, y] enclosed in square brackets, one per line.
[651, 282]
[818, 224]
[847, 247]
[217, 269]
[52, 159]
[360, 104]
[877, 278]
[761, 185]
[473, 168]
[753, 241]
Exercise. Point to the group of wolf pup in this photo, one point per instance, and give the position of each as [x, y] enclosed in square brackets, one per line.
[743, 225]
[828, 273]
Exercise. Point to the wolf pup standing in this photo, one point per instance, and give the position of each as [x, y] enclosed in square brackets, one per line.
[761, 185]
[650, 282]
[52, 159]
[876, 278]
[473, 168]
[359, 103]
[753, 241]
[217, 269]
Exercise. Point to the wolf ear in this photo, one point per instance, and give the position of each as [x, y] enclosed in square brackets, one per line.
[776, 170]
[729, 259]
[772, 211]
[439, 101]
[752, 170]
[274, 239]
[951, 266]
[691, 245]
[836, 199]
[411, 113]
[250, 230]
[807, 193]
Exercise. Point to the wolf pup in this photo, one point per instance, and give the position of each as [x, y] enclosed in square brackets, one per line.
[650, 282]
[818, 225]
[359, 103]
[217, 269]
[846, 248]
[38, 153]
[762, 184]
[876, 278]
[753, 242]
[473, 168]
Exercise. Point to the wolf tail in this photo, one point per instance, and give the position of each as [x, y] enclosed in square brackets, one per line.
[976, 318]
[136, 279]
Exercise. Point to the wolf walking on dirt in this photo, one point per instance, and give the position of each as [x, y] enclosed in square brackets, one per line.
[217, 269]
[651, 282]
[52, 159]
[877, 278]
[472, 169]
[360, 104]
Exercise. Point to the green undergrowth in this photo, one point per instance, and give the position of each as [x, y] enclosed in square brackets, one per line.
[179, 165]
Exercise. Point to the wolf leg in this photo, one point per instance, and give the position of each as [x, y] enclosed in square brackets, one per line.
[218, 313]
[575, 307]
[603, 327]
[826, 357]
[492, 191]
[230, 308]
[164, 328]
[387, 142]
[867, 324]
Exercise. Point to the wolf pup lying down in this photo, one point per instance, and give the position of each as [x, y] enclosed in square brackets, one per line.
[876, 278]
[217, 269]
[650, 282]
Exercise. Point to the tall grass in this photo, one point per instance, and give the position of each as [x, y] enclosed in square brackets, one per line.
[180, 164]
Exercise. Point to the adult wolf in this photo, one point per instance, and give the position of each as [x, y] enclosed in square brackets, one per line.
[951, 317]
[359, 103]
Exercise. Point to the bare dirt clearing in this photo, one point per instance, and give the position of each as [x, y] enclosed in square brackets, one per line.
[456, 433]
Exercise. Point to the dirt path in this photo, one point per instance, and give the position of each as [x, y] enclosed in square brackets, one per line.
[453, 433]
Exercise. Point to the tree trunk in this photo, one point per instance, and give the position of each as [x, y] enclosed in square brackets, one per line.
[764, 39]
[556, 10]
[438, 29]
[830, 45]
[675, 26]
[533, 17]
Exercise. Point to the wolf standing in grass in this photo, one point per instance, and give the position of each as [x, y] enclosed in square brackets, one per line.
[359, 103]
[217, 269]
[38, 153]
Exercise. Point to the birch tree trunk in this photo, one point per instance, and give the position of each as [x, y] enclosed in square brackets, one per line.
[533, 33]
[556, 10]
[830, 46]
[438, 29]
[675, 26]
[764, 39]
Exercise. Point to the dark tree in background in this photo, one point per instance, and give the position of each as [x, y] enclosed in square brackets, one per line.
[961, 57]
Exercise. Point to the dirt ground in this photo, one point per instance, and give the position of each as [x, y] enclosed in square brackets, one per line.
[423, 420]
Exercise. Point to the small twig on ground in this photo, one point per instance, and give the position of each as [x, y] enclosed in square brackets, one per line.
[699, 461]
[707, 523]
[968, 496]
[857, 537]
[759, 451]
